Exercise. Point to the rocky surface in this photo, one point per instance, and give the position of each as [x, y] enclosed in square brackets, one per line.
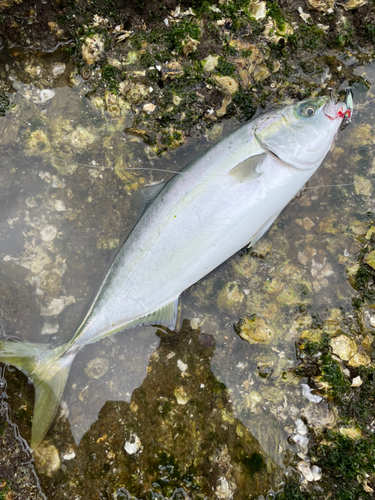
[216, 411]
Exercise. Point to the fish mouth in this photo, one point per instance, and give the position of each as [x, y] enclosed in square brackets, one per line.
[341, 110]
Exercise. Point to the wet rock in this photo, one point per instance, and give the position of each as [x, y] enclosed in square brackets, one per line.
[56, 306]
[172, 70]
[350, 432]
[40, 260]
[60, 206]
[306, 392]
[245, 78]
[258, 10]
[262, 248]
[310, 473]
[360, 136]
[230, 296]
[227, 84]
[81, 138]
[367, 341]
[149, 108]
[49, 328]
[226, 101]
[353, 4]
[301, 427]
[274, 285]
[360, 359]
[182, 366]
[69, 453]
[48, 233]
[273, 33]
[134, 445]
[137, 92]
[51, 283]
[210, 63]
[322, 5]
[306, 255]
[255, 330]
[261, 72]
[195, 323]
[224, 489]
[34, 70]
[63, 164]
[47, 459]
[58, 69]
[288, 296]
[362, 185]
[344, 347]
[356, 382]
[302, 442]
[319, 416]
[306, 223]
[190, 45]
[38, 142]
[367, 316]
[92, 49]
[97, 367]
[181, 395]
[32, 93]
[370, 259]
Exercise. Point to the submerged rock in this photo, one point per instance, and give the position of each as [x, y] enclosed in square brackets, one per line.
[255, 330]
[47, 459]
[56, 306]
[97, 367]
[48, 233]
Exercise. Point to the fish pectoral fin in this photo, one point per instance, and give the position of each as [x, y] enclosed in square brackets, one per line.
[143, 198]
[257, 236]
[251, 168]
[167, 315]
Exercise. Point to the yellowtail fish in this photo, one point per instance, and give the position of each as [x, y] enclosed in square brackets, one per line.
[226, 199]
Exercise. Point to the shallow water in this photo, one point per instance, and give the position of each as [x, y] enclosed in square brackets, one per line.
[205, 410]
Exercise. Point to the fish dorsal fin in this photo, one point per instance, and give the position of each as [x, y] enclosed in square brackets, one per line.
[143, 198]
[251, 168]
[167, 315]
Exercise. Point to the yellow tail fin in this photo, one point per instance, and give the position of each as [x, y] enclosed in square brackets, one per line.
[48, 369]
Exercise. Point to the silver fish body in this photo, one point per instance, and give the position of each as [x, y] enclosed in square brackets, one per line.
[224, 200]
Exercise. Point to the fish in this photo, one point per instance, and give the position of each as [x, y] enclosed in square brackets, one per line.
[223, 201]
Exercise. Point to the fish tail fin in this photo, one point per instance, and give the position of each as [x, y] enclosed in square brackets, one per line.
[48, 368]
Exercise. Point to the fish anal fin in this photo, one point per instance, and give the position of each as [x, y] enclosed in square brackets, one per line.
[262, 230]
[167, 315]
[143, 197]
[251, 168]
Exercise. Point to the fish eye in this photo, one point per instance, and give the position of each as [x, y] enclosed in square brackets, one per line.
[307, 110]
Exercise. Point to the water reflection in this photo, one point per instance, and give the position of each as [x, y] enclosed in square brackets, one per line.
[201, 409]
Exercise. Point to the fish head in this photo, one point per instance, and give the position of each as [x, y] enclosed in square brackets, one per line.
[301, 134]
